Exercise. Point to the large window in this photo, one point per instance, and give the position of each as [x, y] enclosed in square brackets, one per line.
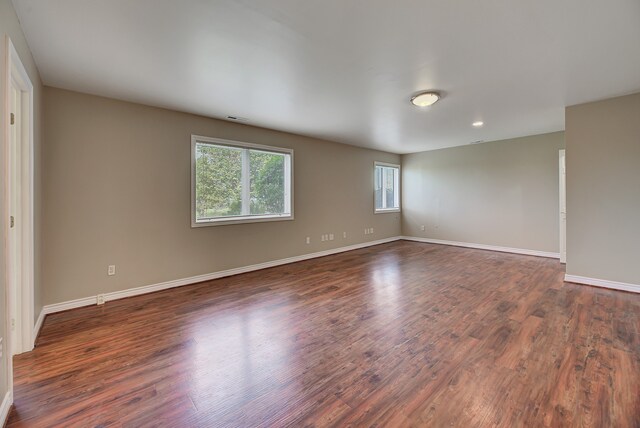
[235, 182]
[387, 187]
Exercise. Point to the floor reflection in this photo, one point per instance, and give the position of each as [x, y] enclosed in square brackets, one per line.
[235, 355]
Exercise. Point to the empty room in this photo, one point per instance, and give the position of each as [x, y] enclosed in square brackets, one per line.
[338, 213]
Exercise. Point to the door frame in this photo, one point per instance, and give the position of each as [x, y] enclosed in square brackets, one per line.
[21, 293]
[562, 169]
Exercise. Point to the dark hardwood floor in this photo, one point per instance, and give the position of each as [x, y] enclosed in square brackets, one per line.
[400, 334]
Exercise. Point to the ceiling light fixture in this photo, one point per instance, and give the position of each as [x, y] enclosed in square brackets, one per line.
[478, 124]
[425, 99]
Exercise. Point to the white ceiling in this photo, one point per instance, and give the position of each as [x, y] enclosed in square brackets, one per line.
[344, 70]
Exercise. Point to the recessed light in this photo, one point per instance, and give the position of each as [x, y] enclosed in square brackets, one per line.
[478, 124]
[425, 99]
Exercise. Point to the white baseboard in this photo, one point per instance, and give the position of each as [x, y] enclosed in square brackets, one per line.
[6, 407]
[634, 288]
[484, 247]
[72, 304]
[38, 325]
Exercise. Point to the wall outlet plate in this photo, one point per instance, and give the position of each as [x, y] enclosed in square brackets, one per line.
[100, 299]
[111, 270]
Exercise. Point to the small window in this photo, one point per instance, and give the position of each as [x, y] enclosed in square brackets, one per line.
[234, 182]
[387, 187]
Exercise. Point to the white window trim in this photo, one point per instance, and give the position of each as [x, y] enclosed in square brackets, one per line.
[398, 196]
[244, 218]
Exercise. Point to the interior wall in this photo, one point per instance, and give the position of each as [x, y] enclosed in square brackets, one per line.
[501, 193]
[117, 191]
[9, 25]
[603, 182]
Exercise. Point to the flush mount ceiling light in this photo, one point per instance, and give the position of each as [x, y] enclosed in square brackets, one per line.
[425, 99]
[478, 124]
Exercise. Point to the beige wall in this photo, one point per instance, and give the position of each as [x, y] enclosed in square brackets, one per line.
[10, 26]
[502, 193]
[117, 191]
[603, 189]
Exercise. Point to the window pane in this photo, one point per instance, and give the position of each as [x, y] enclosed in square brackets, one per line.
[389, 188]
[237, 183]
[378, 187]
[396, 178]
[218, 181]
[267, 171]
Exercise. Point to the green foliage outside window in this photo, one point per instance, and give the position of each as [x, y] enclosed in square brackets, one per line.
[218, 190]
[267, 182]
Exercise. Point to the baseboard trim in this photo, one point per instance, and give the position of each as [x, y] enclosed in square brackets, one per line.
[485, 247]
[38, 325]
[72, 304]
[7, 402]
[614, 285]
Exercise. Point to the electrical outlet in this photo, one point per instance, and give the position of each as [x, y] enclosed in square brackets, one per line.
[422, 227]
[366, 231]
[308, 240]
[371, 230]
[344, 235]
[100, 299]
[331, 237]
[111, 270]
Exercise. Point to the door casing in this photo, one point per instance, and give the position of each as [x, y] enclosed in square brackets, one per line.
[563, 206]
[18, 174]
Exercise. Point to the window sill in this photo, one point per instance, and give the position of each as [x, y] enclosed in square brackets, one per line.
[240, 220]
[390, 210]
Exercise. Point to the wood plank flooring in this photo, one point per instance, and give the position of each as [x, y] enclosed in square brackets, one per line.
[400, 334]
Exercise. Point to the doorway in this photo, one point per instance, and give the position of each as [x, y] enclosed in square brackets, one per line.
[19, 204]
[563, 207]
